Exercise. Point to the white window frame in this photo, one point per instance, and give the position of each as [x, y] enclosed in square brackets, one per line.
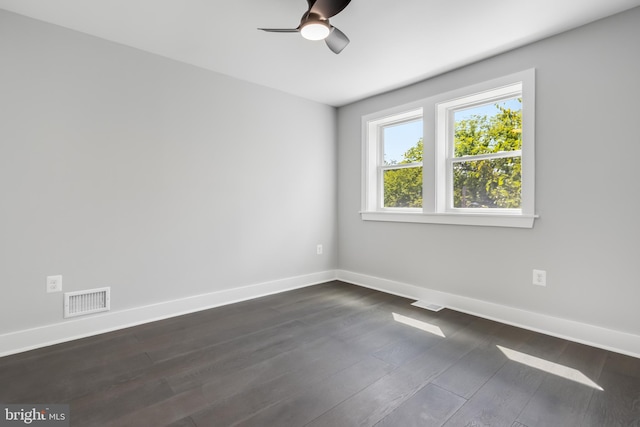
[437, 114]
[374, 197]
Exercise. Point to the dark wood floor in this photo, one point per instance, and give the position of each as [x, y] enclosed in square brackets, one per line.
[328, 355]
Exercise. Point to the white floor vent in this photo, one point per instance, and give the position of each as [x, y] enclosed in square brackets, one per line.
[87, 302]
[428, 305]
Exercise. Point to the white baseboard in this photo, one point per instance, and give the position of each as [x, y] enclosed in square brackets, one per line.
[596, 336]
[29, 339]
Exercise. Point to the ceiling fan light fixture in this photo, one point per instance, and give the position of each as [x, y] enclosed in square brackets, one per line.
[314, 24]
[315, 30]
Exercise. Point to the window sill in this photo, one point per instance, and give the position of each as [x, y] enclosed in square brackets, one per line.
[486, 220]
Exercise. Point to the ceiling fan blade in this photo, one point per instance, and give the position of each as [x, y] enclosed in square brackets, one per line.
[336, 40]
[327, 8]
[280, 30]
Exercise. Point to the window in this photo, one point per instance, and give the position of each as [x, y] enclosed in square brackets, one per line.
[462, 157]
[400, 169]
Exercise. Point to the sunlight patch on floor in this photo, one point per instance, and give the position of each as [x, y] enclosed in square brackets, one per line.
[550, 367]
[419, 324]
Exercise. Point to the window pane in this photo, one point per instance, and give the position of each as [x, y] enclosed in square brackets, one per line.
[403, 143]
[488, 128]
[493, 183]
[403, 188]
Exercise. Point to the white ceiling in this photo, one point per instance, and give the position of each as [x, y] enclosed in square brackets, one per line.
[393, 43]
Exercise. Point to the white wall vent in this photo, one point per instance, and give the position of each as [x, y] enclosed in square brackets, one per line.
[87, 302]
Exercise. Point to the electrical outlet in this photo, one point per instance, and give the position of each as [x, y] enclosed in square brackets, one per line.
[319, 249]
[539, 277]
[54, 283]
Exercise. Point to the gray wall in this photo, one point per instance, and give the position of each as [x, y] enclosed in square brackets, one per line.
[124, 169]
[163, 181]
[587, 195]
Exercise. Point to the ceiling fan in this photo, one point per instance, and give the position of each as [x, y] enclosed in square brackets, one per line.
[315, 25]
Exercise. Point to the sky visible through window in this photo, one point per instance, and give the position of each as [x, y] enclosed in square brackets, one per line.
[399, 138]
[487, 109]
